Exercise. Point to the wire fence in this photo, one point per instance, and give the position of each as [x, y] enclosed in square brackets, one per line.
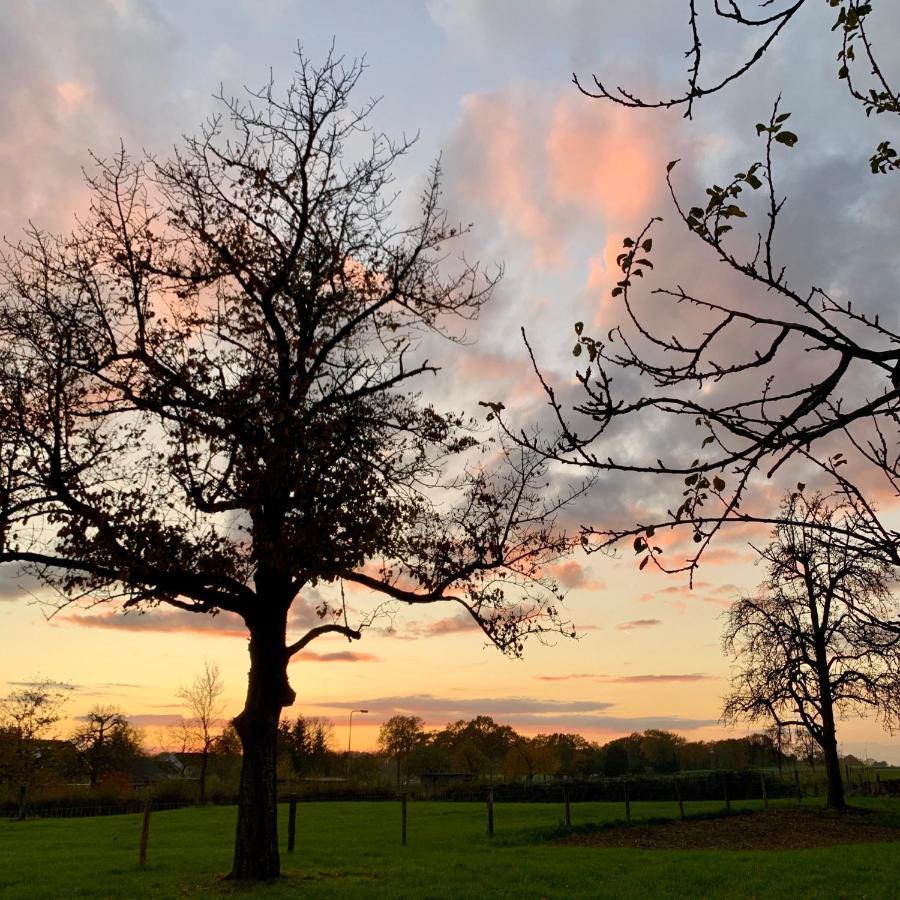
[720, 787]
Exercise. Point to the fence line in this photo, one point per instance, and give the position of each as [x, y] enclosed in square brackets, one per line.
[724, 788]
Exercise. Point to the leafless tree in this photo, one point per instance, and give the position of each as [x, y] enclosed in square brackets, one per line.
[206, 402]
[810, 645]
[875, 92]
[729, 367]
[105, 743]
[29, 714]
[203, 699]
[731, 370]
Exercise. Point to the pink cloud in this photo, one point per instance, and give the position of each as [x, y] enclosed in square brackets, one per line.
[504, 177]
[638, 623]
[601, 159]
[677, 678]
[337, 656]
[571, 574]
[594, 163]
[222, 625]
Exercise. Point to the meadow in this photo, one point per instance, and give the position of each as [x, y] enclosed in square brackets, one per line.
[353, 849]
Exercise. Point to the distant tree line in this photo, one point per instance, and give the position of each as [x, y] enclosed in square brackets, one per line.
[105, 754]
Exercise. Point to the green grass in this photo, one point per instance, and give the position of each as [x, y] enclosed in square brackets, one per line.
[353, 850]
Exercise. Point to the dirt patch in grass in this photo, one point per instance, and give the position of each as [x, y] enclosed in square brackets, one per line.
[778, 829]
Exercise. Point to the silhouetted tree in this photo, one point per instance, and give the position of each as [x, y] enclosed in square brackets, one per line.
[399, 736]
[660, 750]
[856, 43]
[206, 400]
[203, 699]
[106, 743]
[26, 716]
[810, 645]
[730, 367]
[307, 741]
[531, 757]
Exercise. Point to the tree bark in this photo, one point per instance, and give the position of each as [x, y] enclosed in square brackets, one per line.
[204, 761]
[256, 856]
[23, 800]
[834, 798]
[834, 787]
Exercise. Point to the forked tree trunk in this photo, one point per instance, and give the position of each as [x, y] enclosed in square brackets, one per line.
[256, 855]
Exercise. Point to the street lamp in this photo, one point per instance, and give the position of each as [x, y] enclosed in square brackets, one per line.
[350, 737]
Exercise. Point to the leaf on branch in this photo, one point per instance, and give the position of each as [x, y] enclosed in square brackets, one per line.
[788, 138]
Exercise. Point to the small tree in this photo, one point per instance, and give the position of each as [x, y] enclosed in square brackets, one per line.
[27, 715]
[106, 743]
[203, 699]
[811, 644]
[781, 741]
[398, 737]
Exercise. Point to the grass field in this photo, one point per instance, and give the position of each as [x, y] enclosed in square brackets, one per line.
[353, 850]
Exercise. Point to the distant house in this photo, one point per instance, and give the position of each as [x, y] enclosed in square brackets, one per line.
[185, 766]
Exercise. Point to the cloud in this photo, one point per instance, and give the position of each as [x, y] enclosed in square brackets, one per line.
[166, 621]
[337, 656]
[50, 685]
[529, 713]
[472, 706]
[154, 720]
[15, 584]
[635, 624]
[542, 167]
[677, 678]
[658, 679]
[571, 574]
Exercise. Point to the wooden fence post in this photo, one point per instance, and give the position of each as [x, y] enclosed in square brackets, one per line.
[292, 822]
[727, 798]
[627, 806]
[145, 832]
[797, 782]
[567, 806]
[490, 812]
[680, 799]
[403, 818]
[762, 784]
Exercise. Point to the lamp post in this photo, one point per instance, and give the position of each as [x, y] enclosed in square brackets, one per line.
[350, 737]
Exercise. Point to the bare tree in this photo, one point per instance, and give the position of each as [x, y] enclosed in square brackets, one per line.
[105, 743]
[876, 94]
[203, 699]
[28, 714]
[810, 646]
[765, 411]
[206, 402]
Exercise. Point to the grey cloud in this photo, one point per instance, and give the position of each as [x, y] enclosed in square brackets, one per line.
[635, 624]
[495, 706]
[520, 712]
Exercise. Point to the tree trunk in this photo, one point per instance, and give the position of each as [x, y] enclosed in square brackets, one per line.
[835, 786]
[23, 800]
[256, 855]
[204, 761]
[834, 797]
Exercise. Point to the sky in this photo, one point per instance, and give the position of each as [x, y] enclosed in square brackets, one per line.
[552, 182]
